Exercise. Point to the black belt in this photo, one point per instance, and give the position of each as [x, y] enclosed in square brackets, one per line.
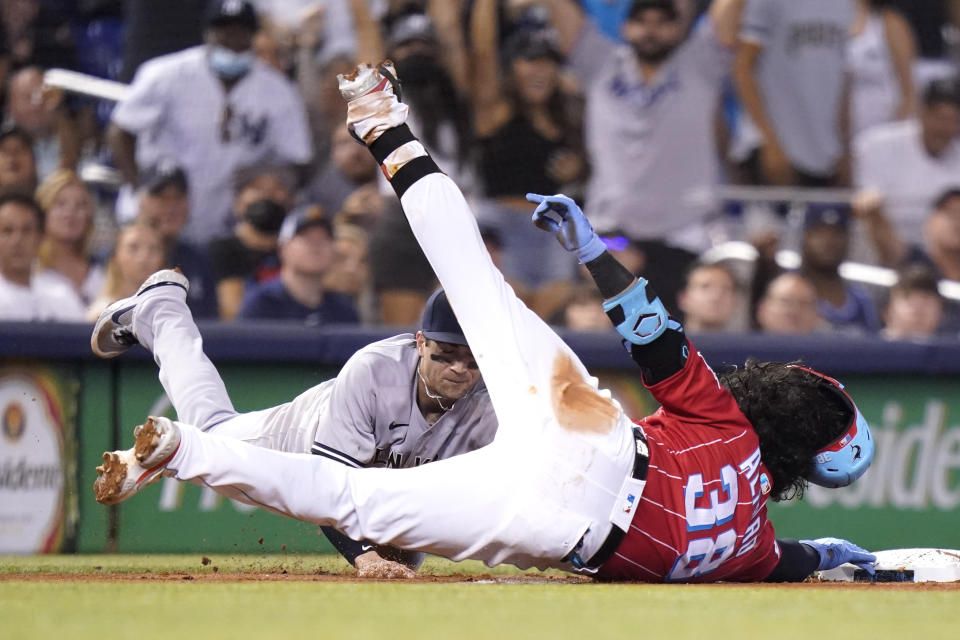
[641, 462]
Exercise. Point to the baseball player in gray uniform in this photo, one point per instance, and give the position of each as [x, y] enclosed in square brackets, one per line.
[400, 402]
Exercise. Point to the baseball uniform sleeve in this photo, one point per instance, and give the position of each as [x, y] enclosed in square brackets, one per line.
[757, 21]
[589, 53]
[694, 395]
[346, 430]
[144, 107]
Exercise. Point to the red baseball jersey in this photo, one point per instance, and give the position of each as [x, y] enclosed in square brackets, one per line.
[702, 516]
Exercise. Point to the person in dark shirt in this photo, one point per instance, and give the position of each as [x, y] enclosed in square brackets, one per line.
[163, 203]
[306, 254]
[264, 196]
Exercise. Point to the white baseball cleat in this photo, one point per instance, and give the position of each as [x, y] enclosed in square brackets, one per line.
[113, 333]
[372, 95]
[124, 473]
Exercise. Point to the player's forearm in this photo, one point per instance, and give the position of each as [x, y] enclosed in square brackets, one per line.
[123, 144]
[797, 562]
[345, 545]
[611, 277]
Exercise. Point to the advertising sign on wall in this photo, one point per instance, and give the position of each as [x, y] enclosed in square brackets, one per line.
[34, 432]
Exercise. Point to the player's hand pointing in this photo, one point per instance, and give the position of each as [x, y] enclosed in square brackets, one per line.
[561, 215]
[371, 565]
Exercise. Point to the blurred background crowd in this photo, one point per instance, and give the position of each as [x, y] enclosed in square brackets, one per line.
[785, 166]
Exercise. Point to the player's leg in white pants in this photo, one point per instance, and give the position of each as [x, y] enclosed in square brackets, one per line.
[527, 498]
[166, 327]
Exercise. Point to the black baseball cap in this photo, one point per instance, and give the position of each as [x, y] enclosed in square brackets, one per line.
[11, 130]
[410, 27]
[224, 12]
[669, 7]
[439, 322]
[303, 218]
[942, 91]
[163, 174]
[828, 214]
[533, 44]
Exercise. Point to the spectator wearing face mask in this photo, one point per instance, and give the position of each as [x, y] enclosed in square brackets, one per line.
[249, 255]
[212, 109]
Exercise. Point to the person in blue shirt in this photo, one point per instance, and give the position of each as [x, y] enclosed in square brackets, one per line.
[307, 253]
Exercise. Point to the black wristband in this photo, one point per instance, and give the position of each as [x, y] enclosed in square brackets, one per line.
[411, 172]
[389, 141]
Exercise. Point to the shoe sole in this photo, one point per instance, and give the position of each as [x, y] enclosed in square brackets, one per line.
[114, 482]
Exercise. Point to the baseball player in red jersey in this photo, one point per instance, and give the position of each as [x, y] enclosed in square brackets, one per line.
[569, 482]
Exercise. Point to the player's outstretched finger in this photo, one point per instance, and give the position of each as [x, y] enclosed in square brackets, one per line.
[535, 197]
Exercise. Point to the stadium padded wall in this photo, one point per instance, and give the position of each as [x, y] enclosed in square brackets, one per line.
[50, 381]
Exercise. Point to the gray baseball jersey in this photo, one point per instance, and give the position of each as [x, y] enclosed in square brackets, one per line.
[801, 73]
[368, 415]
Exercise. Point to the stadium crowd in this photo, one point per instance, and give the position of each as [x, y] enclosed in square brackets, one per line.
[772, 165]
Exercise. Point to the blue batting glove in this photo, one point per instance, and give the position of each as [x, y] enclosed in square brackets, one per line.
[561, 215]
[834, 552]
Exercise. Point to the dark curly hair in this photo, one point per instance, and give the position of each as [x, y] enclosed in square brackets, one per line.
[794, 413]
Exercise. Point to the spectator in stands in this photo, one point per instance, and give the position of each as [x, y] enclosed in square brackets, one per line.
[710, 298]
[351, 167]
[789, 306]
[64, 251]
[940, 232]
[138, 252]
[789, 73]
[528, 139]
[249, 255]
[26, 296]
[429, 54]
[650, 109]
[910, 163]
[583, 310]
[350, 273]
[932, 21]
[44, 115]
[18, 169]
[881, 53]
[824, 247]
[35, 34]
[212, 108]
[402, 277]
[307, 253]
[916, 308]
[164, 203]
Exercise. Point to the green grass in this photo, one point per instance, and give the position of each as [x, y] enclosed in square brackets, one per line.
[306, 608]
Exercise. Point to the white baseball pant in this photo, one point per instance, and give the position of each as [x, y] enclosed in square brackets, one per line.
[527, 499]
[165, 326]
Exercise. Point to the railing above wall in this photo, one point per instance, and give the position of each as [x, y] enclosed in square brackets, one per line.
[281, 342]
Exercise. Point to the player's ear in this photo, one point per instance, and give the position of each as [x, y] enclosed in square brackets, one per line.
[421, 342]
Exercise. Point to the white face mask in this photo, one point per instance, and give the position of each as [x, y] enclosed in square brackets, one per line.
[229, 64]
